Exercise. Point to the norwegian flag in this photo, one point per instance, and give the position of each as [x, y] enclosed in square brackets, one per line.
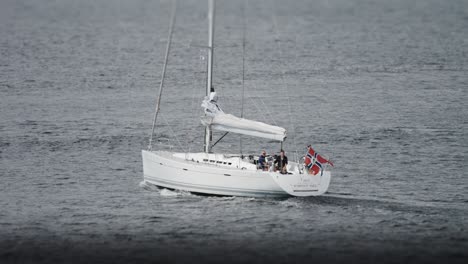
[314, 162]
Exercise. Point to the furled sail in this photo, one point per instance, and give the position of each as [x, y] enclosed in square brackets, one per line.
[218, 120]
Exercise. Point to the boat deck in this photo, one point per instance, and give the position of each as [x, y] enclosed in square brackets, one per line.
[229, 161]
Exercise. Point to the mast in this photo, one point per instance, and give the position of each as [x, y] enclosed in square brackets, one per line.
[209, 72]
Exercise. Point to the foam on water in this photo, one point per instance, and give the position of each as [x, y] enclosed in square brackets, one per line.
[290, 203]
[144, 185]
[167, 192]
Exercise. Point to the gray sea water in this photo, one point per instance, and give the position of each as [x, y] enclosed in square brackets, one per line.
[378, 86]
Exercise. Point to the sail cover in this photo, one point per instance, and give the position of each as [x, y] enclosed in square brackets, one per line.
[218, 120]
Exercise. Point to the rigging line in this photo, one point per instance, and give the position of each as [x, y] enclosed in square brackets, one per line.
[173, 133]
[163, 74]
[260, 113]
[294, 121]
[194, 109]
[259, 110]
[244, 18]
[295, 61]
[214, 144]
[186, 120]
[192, 116]
[275, 29]
[266, 109]
[268, 118]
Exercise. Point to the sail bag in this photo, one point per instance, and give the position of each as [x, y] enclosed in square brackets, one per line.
[218, 120]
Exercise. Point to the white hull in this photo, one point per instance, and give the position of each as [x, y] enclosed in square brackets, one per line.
[223, 175]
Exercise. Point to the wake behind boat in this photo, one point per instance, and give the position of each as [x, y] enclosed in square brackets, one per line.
[231, 174]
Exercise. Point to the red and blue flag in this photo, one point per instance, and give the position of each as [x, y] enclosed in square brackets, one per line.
[314, 162]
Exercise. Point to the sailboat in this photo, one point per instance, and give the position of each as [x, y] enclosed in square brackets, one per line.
[212, 173]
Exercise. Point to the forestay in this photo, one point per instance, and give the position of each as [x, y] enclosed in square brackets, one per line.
[218, 120]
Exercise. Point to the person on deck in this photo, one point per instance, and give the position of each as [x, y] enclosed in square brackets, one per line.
[281, 162]
[262, 162]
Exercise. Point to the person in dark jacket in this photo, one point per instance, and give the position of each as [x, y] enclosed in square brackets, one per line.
[262, 162]
[281, 162]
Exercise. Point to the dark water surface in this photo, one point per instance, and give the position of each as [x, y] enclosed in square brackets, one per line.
[379, 86]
